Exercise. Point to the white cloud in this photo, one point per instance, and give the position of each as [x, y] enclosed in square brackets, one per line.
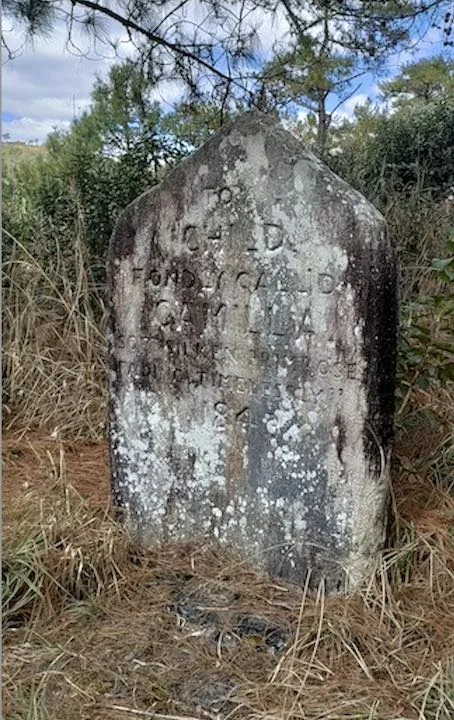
[168, 94]
[424, 45]
[49, 82]
[27, 129]
[348, 107]
[302, 113]
[273, 30]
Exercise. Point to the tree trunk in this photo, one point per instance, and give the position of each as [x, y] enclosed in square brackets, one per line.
[324, 119]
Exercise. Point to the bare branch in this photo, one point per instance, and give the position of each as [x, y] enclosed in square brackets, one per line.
[174, 48]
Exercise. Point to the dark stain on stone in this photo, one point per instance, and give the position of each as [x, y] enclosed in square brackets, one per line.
[372, 273]
[341, 437]
[322, 555]
[377, 304]
[323, 563]
[125, 234]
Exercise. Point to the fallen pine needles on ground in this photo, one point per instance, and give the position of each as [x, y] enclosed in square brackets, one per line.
[94, 627]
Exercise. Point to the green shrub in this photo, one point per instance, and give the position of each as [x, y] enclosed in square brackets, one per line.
[387, 154]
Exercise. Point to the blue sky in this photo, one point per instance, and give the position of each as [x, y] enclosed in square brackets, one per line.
[46, 85]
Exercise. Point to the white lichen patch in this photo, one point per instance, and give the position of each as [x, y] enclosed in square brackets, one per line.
[166, 456]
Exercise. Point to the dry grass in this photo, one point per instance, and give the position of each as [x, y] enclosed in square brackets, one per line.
[419, 228]
[17, 152]
[53, 346]
[96, 628]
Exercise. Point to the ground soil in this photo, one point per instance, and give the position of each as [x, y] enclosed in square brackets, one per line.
[188, 632]
[27, 460]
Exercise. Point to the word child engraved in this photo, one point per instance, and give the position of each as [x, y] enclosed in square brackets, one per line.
[252, 341]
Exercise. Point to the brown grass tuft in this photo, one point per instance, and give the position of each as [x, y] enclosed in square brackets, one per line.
[98, 628]
[53, 346]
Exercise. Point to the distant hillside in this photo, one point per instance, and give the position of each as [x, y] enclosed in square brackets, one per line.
[14, 152]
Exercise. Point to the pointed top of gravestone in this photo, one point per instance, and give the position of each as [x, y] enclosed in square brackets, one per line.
[279, 143]
[279, 162]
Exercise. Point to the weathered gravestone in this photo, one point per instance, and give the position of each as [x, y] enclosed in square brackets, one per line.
[252, 352]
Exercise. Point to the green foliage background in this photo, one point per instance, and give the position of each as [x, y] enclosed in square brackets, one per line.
[402, 161]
